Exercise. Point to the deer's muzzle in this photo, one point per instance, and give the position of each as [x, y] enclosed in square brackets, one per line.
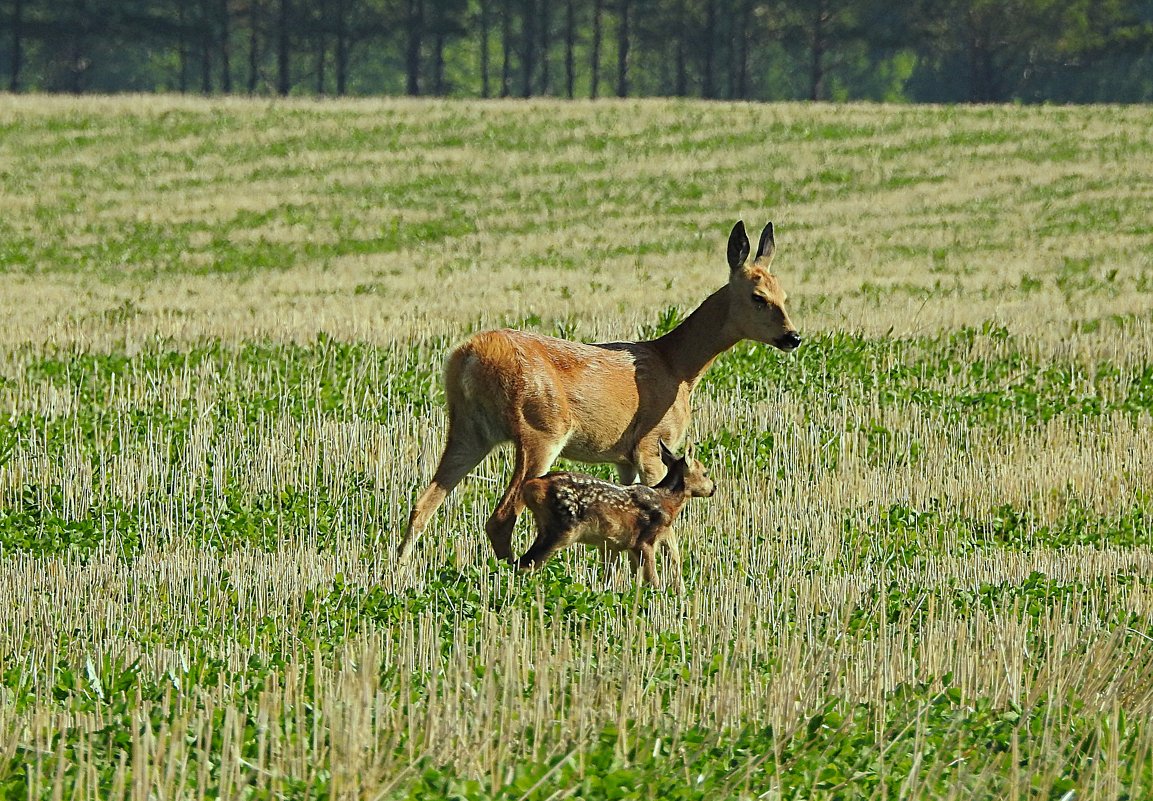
[788, 341]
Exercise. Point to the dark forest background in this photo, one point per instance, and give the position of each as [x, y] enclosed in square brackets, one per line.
[921, 50]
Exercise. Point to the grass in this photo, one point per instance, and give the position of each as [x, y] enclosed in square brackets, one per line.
[926, 573]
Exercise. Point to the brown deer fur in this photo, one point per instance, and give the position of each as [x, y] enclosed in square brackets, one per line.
[607, 402]
[635, 519]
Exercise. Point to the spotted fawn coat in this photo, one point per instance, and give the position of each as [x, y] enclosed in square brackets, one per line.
[574, 508]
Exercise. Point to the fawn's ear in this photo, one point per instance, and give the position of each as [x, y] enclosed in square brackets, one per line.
[668, 457]
[738, 245]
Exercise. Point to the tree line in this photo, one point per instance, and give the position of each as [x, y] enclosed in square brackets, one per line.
[918, 50]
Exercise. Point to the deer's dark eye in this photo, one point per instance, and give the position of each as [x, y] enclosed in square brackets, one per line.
[760, 300]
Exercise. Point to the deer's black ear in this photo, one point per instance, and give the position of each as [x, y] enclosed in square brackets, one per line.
[667, 456]
[738, 245]
[767, 244]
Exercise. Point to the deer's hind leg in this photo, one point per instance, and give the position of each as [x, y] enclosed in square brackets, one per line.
[534, 456]
[463, 451]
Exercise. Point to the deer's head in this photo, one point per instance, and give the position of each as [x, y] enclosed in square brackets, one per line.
[756, 299]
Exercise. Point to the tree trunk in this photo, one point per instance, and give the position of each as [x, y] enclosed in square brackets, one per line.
[595, 56]
[545, 21]
[225, 48]
[77, 62]
[413, 46]
[205, 47]
[623, 50]
[283, 76]
[708, 70]
[743, 50]
[181, 48]
[570, 49]
[682, 73]
[485, 89]
[321, 44]
[506, 50]
[15, 63]
[342, 47]
[438, 87]
[253, 45]
[818, 47]
[528, 54]
[983, 86]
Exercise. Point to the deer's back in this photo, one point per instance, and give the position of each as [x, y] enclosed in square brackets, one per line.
[602, 398]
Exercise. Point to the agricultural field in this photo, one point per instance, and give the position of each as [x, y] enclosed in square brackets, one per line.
[927, 571]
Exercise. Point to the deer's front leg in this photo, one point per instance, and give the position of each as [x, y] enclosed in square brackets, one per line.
[647, 459]
[627, 473]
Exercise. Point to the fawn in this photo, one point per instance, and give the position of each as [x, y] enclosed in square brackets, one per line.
[573, 507]
[594, 403]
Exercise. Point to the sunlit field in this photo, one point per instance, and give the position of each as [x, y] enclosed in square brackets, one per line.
[927, 571]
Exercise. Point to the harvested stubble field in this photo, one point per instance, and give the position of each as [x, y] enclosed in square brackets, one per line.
[927, 572]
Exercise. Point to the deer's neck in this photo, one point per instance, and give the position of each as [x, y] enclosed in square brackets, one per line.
[692, 346]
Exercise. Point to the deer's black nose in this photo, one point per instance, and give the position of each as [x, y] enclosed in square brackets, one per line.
[789, 341]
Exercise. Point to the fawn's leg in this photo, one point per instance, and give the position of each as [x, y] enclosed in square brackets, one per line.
[648, 563]
[610, 561]
[635, 561]
[548, 541]
[670, 543]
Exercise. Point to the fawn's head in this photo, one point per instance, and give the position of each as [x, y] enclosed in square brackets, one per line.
[756, 300]
[685, 474]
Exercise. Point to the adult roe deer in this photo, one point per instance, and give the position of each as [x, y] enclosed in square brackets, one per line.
[594, 403]
[637, 519]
